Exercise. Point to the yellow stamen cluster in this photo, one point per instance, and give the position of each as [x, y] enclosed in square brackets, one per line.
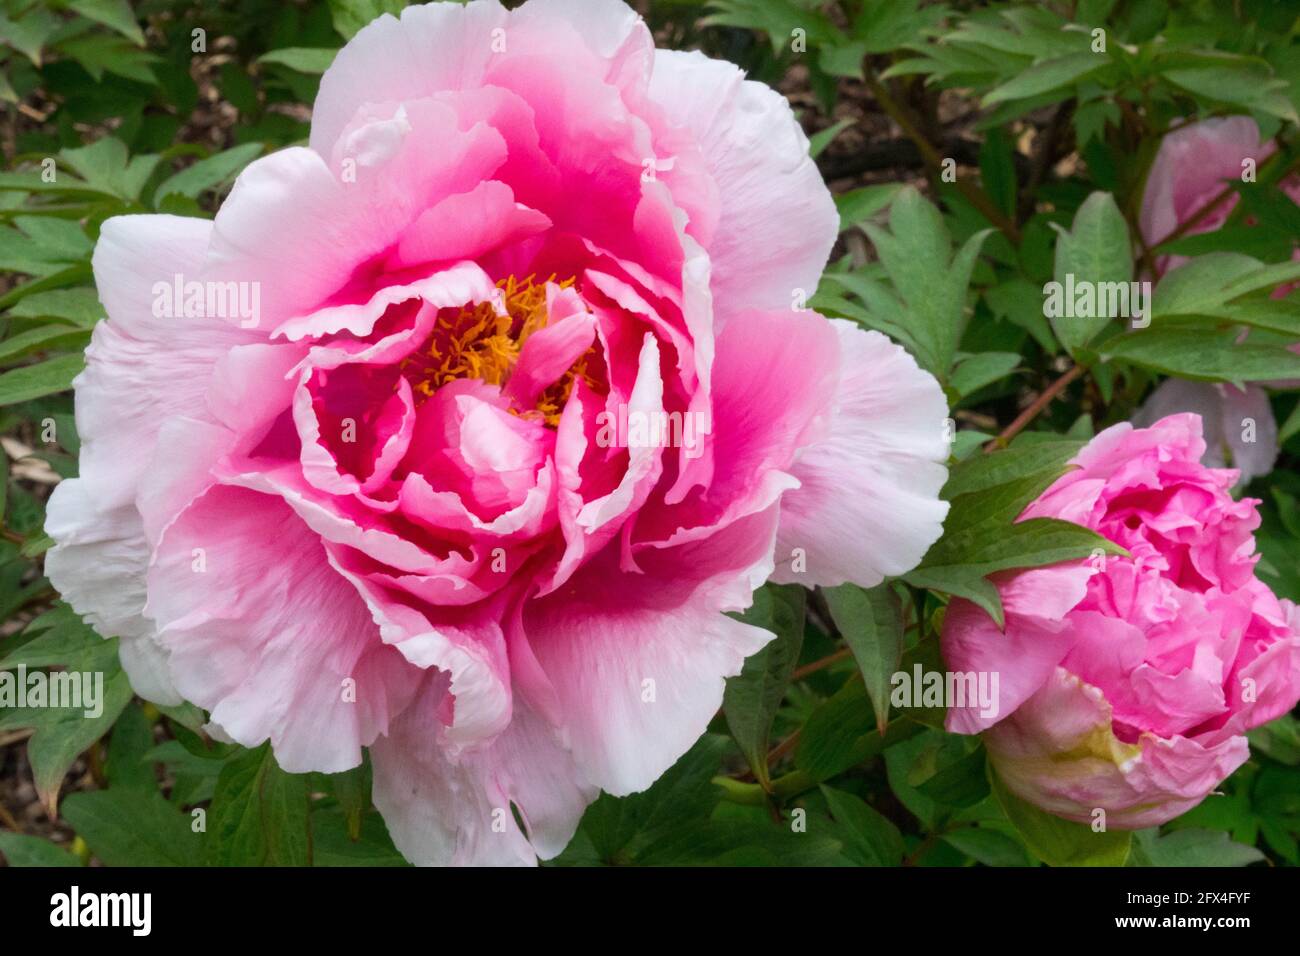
[484, 343]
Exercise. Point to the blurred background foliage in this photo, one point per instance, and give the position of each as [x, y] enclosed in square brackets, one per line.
[124, 106]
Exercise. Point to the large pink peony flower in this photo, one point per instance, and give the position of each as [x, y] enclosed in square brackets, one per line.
[511, 408]
[1127, 684]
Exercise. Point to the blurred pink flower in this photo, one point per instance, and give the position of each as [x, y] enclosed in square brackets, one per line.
[458, 434]
[1127, 684]
[1239, 425]
[1193, 165]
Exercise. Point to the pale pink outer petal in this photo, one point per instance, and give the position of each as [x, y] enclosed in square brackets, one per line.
[444, 810]
[869, 506]
[270, 656]
[99, 569]
[1058, 752]
[778, 221]
[141, 370]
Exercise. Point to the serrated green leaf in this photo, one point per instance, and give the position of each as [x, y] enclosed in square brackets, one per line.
[208, 173]
[752, 697]
[130, 828]
[872, 839]
[1096, 251]
[116, 14]
[871, 623]
[259, 814]
[1203, 355]
[1048, 75]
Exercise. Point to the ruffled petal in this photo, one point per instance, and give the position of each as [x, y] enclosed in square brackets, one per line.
[869, 504]
[777, 221]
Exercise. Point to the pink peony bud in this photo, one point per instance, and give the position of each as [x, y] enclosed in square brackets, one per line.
[1127, 683]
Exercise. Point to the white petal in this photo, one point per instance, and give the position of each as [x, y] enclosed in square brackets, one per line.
[777, 222]
[869, 506]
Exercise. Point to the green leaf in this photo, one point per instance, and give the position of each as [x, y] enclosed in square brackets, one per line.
[1290, 428]
[1009, 464]
[208, 173]
[1096, 250]
[72, 275]
[99, 54]
[59, 637]
[1047, 76]
[1192, 848]
[106, 166]
[818, 142]
[259, 814]
[1202, 354]
[131, 828]
[349, 16]
[1060, 842]
[61, 734]
[1026, 544]
[302, 59]
[917, 254]
[871, 622]
[116, 14]
[752, 697]
[333, 842]
[988, 846]
[59, 239]
[843, 60]
[46, 378]
[985, 368]
[857, 205]
[961, 582]
[130, 741]
[982, 533]
[28, 33]
[22, 850]
[352, 790]
[872, 839]
[962, 783]
[1206, 284]
[842, 733]
[42, 338]
[735, 842]
[619, 830]
[1279, 738]
[1254, 88]
[998, 170]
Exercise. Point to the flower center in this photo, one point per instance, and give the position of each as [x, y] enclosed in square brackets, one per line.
[481, 342]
